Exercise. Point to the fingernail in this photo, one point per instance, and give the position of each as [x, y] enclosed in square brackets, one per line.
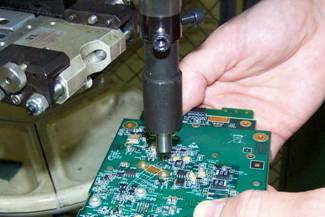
[209, 208]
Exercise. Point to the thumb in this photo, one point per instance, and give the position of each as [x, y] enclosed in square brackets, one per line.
[266, 204]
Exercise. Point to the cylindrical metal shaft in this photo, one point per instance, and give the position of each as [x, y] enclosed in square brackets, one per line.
[165, 141]
[161, 31]
[160, 8]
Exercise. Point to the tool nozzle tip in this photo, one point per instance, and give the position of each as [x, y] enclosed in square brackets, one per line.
[164, 144]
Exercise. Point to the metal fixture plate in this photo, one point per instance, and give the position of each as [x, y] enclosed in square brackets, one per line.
[107, 13]
[13, 20]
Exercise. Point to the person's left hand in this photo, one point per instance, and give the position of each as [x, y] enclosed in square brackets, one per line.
[266, 204]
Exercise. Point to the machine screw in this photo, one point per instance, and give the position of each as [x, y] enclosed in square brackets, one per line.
[161, 43]
[194, 16]
[37, 104]
[128, 31]
[92, 20]
[16, 99]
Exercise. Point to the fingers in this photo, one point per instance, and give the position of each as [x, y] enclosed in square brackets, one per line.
[194, 86]
[266, 204]
[205, 65]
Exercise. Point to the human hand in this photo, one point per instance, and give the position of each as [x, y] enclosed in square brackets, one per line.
[266, 204]
[269, 59]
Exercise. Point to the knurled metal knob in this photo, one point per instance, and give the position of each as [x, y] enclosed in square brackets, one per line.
[12, 77]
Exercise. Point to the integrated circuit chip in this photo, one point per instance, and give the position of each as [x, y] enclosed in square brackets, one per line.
[219, 184]
[221, 172]
[178, 163]
[181, 173]
[131, 173]
[180, 181]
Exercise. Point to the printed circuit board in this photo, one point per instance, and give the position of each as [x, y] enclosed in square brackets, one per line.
[217, 154]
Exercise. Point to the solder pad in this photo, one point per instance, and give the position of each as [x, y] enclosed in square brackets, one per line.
[217, 154]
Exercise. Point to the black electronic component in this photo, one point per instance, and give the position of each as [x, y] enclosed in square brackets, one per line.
[122, 187]
[131, 189]
[178, 163]
[222, 173]
[131, 173]
[219, 184]
[120, 173]
[181, 173]
[247, 150]
[116, 211]
[197, 112]
[180, 182]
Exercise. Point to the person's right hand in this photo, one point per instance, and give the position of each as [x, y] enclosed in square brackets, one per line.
[271, 59]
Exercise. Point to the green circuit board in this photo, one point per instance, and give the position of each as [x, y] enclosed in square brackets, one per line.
[217, 154]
